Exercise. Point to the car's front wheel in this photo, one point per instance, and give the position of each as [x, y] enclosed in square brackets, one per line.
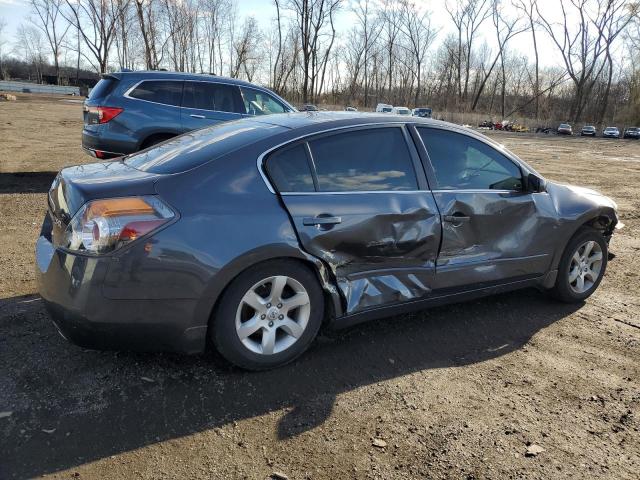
[269, 315]
[582, 266]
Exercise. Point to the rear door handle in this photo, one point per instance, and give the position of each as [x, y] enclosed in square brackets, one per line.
[456, 218]
[196, 116]
[321, 220]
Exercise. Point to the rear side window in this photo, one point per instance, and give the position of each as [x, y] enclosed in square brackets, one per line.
[257, 102]
[363, 160]
[159, 91]
[461, 162]
[103, 88]
[289, 170]
[213, 96]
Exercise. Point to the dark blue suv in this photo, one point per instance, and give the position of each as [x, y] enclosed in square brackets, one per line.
[130, 111]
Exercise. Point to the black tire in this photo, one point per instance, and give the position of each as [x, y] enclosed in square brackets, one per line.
[562, 290]
[223, 329]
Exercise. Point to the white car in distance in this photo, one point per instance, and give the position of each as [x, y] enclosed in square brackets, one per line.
[401, 111]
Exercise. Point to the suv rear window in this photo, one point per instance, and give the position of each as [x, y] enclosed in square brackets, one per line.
[201, 146]
[159, 91]
[103, 88]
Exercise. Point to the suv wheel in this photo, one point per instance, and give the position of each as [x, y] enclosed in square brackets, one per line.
[582, 266]
[269, 315]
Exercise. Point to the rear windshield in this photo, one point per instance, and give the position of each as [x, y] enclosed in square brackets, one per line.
[199, 147]
[103, 88]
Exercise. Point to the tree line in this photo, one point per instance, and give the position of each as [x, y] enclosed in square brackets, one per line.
[390, 52]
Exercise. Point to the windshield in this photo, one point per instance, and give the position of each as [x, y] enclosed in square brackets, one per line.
[564, 125]
[200, 146]
[386, 109]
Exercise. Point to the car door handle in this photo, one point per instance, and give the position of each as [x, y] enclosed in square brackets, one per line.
[456, 218]
[193, 115]
[321, 220]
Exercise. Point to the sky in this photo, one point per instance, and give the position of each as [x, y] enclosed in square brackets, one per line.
[16, 12]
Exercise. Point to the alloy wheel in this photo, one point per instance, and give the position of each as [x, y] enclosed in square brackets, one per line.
[585, 267]
[272, 315]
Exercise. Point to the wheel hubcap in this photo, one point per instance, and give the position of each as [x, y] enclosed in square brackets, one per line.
[585, 267]
[273, 315]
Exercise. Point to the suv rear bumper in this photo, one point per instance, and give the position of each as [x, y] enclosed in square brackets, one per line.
[98, 144]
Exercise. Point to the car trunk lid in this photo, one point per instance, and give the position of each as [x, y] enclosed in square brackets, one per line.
[75, 186]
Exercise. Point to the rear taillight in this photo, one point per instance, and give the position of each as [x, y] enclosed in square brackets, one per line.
[104, 114]
[102, 226]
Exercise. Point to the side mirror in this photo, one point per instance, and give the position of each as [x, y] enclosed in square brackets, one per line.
[535, 183]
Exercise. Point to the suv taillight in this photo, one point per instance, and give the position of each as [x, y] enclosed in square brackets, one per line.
[103, 114]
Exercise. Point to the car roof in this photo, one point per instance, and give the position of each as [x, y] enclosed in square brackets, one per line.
[341, 119]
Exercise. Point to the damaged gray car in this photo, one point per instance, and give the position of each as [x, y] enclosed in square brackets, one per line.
[250, 235]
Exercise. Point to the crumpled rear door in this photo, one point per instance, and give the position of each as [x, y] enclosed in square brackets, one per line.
[382, 247]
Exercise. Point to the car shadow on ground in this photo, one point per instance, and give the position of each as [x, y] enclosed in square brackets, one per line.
[72, 406]
[26, 182]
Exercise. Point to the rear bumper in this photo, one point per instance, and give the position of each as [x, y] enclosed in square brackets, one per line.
[71, 287]
[99, 144]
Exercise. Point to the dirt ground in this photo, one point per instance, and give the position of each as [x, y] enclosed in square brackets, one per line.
[454, 392]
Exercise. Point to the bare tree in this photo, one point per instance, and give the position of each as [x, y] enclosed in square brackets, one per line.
[467, 16]
[505, 30]
[368, 30]
[313, 18]
[3, 26]
[53, 25]
[416, 27]
[246, 49]
[529, 8]
[96, 21]
[391, 31]
[31, 46]
[583, 45]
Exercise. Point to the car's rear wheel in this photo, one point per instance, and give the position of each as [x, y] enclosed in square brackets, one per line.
[582, 266]
[269, 315]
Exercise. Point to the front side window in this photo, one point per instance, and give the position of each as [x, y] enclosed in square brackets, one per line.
[159, 91]
[218, 97]
[257, 102]
[462, 162]
[289, 170]
[363, 160]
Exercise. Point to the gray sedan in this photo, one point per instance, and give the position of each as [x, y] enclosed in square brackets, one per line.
[250, 235]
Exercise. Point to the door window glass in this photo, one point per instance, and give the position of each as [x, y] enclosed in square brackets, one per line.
[364, 160]
[159, 91]
[257, 102]
[289, 170]
[462, 162]
[212, 96]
